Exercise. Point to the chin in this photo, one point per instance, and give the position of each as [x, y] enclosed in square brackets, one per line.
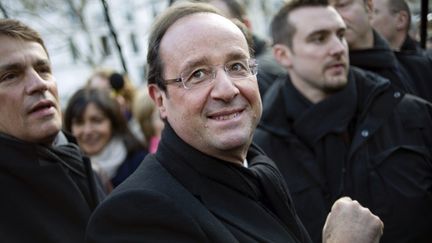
[49, 134]
[234, 142]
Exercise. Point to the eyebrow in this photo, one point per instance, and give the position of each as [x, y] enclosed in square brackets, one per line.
[12, 66]
[42, 63]
[324, 31]
[237, 55]
[196, 62]
[205, 60]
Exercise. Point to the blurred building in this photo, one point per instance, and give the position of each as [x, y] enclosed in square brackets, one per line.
[79, 39]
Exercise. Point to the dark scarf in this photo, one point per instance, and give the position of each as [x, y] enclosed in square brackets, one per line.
[260, 182]
[65, 154]
[330, 140]
[49, 192]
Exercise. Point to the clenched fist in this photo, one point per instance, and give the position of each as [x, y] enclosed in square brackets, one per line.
[349, 222]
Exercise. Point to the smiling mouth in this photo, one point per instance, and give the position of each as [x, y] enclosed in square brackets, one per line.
[225, 117]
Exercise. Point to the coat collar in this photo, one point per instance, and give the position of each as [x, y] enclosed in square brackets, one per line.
[284, 107]
[231, 192]
[380, 56]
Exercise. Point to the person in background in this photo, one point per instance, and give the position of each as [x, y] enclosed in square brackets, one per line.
[94, 117]
[207, 182]
[268, 69]
[122, 89]
[48, 188]
[335, 130]
[145, 112]
[392, 20]
[368, 50]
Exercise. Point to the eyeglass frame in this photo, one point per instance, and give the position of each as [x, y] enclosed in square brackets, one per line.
[251, 64]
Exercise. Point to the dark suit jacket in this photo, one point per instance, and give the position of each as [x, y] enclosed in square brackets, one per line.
[166, 200]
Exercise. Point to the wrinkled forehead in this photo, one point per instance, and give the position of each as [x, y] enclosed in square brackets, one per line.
[202, 33]
[17, 51]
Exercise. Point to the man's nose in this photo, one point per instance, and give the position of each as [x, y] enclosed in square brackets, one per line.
[338, 46]
[224, 87]
[35, 83]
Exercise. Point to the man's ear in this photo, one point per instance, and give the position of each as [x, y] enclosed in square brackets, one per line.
[402, 21]
[246, 21]
[283, 55]
[158, 96]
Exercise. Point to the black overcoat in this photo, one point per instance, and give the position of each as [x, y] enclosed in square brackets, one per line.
[383, 156]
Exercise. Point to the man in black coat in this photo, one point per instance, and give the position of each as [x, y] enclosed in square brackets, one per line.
[207, 183]
[392, 19]
[370, 51]
[48, 189]
[338, 131]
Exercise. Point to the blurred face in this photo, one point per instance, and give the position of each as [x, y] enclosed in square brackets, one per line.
[223, 7]
[384, 20]
[29, 104]
[318, 60]
[100, 82]
[356, 14]
[93, 132]
[219, 118]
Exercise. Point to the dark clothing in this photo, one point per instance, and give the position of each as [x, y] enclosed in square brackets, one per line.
[182, 195]
[369, 141]
[48, 193]
[411, 45]
[419, 66]
[381, 59]
[129, 165]
[268, 68]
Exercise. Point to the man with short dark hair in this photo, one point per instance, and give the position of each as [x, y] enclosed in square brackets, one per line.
[207, 182]
[335, 130]
[48, 188]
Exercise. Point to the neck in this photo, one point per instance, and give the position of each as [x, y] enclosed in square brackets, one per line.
[234, 155]
[398, 41]
[313, 94]
[363, 42]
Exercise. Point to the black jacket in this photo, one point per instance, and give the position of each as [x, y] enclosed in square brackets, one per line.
[381, 59]
[411, 45]
[369, 141]
[418, 65]
[48, 193]
[182, 195]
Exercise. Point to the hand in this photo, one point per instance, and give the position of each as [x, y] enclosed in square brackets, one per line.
[348, 221]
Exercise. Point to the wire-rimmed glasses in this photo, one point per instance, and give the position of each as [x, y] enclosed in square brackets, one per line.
[205, 74]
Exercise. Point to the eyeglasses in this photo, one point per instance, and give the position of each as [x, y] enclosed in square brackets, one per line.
[204, 75]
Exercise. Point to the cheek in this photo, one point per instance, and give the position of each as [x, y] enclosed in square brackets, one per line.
[251, 93]
[106, 129]
[77, 129]
[188, 103]
[53, 88]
